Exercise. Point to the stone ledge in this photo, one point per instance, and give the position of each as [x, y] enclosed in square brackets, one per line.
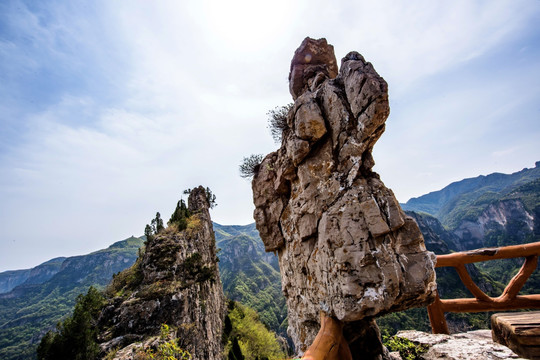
[472, 345]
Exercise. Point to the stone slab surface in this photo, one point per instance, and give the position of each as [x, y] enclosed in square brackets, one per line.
[472, 345]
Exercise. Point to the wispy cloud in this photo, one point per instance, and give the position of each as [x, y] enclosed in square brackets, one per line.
[110, 109]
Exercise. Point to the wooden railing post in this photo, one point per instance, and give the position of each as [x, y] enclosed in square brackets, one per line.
[509, 299]
[436, 317]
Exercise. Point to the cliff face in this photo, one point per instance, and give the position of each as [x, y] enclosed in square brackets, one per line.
[506, 219]
[493, 210]
[175, 282]
[463, 193]
[436, 238]
[344, 245]
[250, 275]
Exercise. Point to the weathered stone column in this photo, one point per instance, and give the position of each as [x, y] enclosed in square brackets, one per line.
[345, 246]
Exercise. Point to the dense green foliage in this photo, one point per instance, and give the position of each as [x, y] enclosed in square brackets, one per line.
[235, 352]
[166, 349]
[406, 348]
[245, 337]
[412, 319]
[251, 276]
[75, 337]
[180, 215]
[29, 311]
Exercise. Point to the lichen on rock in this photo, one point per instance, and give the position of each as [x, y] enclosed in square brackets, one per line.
[344, 244]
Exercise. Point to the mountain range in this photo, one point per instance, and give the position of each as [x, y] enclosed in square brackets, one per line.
[34, 300]
[493, 210]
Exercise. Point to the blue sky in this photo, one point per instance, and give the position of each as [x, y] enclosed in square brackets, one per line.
[109, 109]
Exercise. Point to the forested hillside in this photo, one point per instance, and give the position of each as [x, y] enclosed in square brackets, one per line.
[36, 299]
[38, 275]
[486, 211]
[32, 308]
[466, 198]
[250, 275]
[493, 210]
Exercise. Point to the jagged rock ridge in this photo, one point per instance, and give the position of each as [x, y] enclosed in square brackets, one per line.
[178, 284]
[344, 244]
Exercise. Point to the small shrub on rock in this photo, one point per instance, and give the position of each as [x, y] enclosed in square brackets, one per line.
[250, 165]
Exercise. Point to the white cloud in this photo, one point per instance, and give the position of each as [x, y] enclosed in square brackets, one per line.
[169, 95]
[408, 41]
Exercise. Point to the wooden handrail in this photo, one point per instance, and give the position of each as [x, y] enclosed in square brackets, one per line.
[509, 299]
[486, 254]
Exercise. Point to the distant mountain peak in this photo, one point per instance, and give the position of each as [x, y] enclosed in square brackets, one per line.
[439, 203]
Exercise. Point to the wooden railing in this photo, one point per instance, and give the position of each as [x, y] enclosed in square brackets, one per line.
[509, 299]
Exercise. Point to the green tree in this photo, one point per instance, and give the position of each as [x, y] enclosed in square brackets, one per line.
[180, 215]
[157, 224]
[148, 232]
[76, 337]
[251, 337]
[211, 198]
[235, 353]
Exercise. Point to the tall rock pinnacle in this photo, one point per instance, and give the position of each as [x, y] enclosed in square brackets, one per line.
[175, 282]
[345, 246]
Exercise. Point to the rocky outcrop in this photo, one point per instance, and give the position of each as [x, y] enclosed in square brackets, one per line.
[436, 238]
[178, 285]
[508, 219]
[345, 247]
[493, 210]
[472, 345]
